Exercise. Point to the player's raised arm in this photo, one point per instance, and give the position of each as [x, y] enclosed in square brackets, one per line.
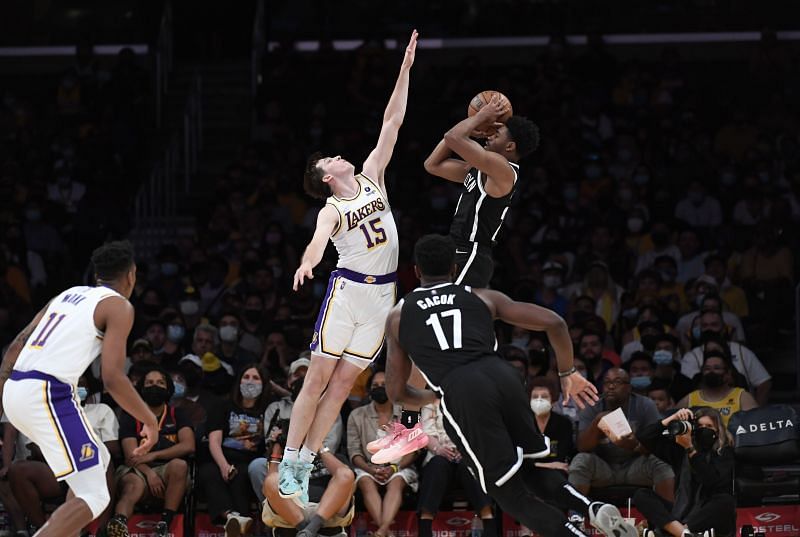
[398, 367]
[490, 163]
[328, 222]
[440, 164]
[115, 315]
[533, 317]
[377, 161]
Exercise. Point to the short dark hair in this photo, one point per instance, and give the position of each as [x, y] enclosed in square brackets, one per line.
[312, 179]
[525, 134]
[638, 356]
[434, 254]
[545, 382]
[112, 260]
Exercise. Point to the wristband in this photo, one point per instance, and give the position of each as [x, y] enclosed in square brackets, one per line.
[568, 372]
[394, 468]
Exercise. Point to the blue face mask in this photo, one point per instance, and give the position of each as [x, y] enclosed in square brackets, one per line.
[640, 383]
[662, 357]
[175, 333]
[180, 389]
[83, 393]
[696, 333]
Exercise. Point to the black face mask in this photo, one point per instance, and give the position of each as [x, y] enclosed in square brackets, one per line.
[711, 335]
[252, 316]
[151, 310]
[379, 395]
[713, 380]
[296, 386]
[155, 395]
[705, 438]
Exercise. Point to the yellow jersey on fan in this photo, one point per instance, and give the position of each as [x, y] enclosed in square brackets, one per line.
[366, 237]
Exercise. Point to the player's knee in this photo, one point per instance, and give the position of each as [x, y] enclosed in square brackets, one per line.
[344, 474]
[96, 499]
[177, 468]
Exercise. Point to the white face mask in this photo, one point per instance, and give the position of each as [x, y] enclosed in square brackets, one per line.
[552, 281]
[228, 334]
[540, 406]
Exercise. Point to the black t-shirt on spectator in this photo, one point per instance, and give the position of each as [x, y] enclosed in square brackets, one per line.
[559, 431]
[242, 431]
[169, 423]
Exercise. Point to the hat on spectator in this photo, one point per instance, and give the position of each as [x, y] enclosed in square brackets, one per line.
[297, 364]
[211, 363]
[599, 264]
[142, 342]
[708, 280]
[193, 358]
[553, 265]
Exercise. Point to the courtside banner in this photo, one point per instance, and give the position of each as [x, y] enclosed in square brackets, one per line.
[145, 526]
[772, 520]
[203, 527]
[446, 524]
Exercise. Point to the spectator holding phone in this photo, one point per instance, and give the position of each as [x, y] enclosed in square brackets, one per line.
[236, 437]
[698, 447]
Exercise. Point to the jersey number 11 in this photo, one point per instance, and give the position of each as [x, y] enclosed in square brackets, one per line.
[434, 322]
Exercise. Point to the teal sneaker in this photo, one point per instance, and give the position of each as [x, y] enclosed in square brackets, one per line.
[288, 484]
[302, 472]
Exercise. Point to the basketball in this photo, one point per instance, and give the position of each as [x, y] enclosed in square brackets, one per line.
[483, 98]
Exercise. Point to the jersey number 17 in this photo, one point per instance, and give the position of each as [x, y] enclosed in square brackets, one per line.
[434, 322]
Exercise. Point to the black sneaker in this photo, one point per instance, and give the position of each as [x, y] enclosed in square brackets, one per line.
[117, 526]
[162, 530]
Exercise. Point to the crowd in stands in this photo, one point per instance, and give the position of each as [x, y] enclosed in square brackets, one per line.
[658, 217]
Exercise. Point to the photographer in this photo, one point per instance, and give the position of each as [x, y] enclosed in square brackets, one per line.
[699, 449]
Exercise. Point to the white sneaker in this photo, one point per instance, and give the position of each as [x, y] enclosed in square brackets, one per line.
[607, 518]
[237, 525]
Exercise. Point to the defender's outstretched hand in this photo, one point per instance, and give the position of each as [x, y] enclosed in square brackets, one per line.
[578, 388]
[411, 49]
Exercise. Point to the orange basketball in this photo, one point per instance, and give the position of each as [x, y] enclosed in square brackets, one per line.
[483, 98]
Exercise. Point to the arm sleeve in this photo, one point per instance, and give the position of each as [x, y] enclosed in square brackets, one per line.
[690, 364]
[181, 419]
[216, 419]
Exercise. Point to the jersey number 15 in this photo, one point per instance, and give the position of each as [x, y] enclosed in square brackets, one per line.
[377, 236]
[434, 322]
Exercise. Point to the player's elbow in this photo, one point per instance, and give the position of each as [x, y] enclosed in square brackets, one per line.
[430, 165]
[553, 322]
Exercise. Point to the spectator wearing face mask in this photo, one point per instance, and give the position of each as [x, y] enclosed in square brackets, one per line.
[641, 370]
[637, 239]
[642, 336]
[666, 358]
[253, 327]
[549, 294]
[236, 437]
[195, 401]
[161, 474]
[189, 307]
[672, 293]
[717, 390]
[382, 485]
[712, 327]
[173, 349]
[706, 298]
[599, 285]
[698, 209]
[552, 425]
[702, 460]
[280, 412]
[168, 281]
[229, 349]
[691, 264]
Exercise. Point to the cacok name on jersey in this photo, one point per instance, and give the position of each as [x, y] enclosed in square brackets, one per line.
[354, 217]
[435, 300]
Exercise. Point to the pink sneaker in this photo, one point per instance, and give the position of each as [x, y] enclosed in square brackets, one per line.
[392, 430]
[408, 441]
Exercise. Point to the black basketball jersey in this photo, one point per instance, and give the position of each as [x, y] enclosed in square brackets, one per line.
[479, 217]
[443, 327]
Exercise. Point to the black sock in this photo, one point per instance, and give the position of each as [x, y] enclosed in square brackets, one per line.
[167, 515]
[425, 527]
[315, 524]
[489, 527]
[409, 418]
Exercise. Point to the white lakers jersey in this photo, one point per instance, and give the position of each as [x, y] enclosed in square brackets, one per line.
[366, 237]
[66, 340]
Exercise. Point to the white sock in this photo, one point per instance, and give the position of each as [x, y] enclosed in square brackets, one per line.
[291, 454]
[306, 455]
